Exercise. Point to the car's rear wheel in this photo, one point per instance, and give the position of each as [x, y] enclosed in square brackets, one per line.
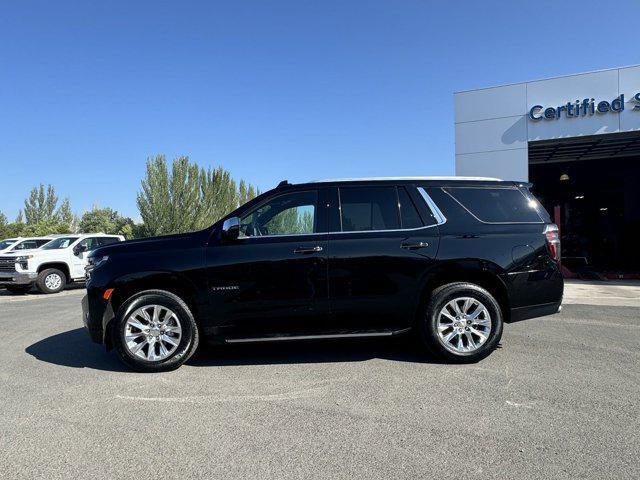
[51, 280]
[155, 331]
[18, 288]
[462, 323]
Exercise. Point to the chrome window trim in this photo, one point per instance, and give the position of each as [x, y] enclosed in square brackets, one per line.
[315, 234]
[437, 213]
[382, 231]
[390, 229]
[339, 211]
[488, 187]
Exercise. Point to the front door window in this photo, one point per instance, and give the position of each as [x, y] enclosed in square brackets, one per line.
[288, 214]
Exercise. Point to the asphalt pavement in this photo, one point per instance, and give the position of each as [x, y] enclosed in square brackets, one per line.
[559, 399]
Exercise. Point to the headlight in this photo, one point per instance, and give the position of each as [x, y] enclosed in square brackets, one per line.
[23, 260]
[95, 262]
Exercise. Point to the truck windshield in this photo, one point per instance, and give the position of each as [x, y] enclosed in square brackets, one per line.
[58, 243]
[6, 243]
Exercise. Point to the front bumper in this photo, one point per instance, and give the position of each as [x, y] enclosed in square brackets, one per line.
[17, 278]
[96, 315]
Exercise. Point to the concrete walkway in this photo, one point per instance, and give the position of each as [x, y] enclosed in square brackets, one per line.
[615, 293]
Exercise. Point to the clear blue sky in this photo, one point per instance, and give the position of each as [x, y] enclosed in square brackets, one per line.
[295, 89]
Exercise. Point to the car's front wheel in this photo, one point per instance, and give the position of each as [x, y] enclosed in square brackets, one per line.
[462, 323]
[51, 280]
[155, 331]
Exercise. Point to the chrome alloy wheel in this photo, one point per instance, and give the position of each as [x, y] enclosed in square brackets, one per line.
[464, 325]
[152, 332]
[53, 281]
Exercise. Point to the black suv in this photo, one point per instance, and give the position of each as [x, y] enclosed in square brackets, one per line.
[450, 259]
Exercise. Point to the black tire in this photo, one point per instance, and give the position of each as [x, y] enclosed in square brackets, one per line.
[18, 289]
[52, 273]
[428, 322]
[188, 342]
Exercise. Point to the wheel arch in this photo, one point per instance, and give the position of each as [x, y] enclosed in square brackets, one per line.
[127, 287]
[62, 266]
[478, 272]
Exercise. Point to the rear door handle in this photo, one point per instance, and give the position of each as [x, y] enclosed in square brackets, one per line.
[303, 250]
[414, 246]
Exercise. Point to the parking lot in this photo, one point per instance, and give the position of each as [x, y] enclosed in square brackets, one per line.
[560, 399]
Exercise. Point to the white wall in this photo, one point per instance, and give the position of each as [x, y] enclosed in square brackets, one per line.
[492, 127]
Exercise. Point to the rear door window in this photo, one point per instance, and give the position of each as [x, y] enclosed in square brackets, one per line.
[408, 212]
[496, 205]
[369, 208]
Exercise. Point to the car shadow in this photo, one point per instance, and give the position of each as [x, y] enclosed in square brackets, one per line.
[401, 349]
[75, 350]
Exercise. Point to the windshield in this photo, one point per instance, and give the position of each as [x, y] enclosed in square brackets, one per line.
[58, 243]
[6, 243]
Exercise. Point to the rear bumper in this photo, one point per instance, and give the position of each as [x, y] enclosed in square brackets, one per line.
[533, 311]
[17, 278]
[534, 293]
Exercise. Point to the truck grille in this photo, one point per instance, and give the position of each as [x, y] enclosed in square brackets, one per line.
[7, 264]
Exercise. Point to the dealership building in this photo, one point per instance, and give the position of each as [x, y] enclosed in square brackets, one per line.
[577, 139]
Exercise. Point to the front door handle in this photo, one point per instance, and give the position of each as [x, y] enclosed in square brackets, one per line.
[303, 250]
[414, 246]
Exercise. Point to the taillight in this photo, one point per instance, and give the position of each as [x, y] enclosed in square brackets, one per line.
[553, 239]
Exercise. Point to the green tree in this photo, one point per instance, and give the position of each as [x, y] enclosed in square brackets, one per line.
[292, 220]
[41, 206]
[105, 220]
[219, 196]
[64, 213]
[139, 230]
[245, 193]
[13, 229]
[185, 197]
[3, 226]
[45, 227]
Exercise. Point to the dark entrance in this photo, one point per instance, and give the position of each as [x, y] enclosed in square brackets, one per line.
[591, 186]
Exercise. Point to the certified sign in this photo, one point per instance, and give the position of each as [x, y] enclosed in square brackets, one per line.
[581, 108]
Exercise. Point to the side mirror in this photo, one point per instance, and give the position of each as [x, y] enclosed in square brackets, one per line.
[231, 228]
[80, 249]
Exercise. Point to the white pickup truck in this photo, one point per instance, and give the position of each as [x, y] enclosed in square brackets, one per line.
[52, 266]
[9, 245]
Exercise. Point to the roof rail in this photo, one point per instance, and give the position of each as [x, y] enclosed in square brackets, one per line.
[283, 183]
[443, 178]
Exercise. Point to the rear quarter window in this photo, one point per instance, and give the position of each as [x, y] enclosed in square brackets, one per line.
[496, 205]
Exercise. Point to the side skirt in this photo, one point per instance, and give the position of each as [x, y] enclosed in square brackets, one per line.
[286, 338]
